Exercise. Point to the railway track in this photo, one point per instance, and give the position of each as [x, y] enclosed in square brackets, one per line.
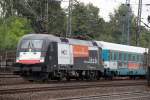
[138, 95]
[11, 84]
[67, 87]
[59, 82]
[10, 77]
[6, 73]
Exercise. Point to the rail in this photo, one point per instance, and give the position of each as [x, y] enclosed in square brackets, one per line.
[68, 87]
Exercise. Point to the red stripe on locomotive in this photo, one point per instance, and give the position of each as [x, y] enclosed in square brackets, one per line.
[29, 61]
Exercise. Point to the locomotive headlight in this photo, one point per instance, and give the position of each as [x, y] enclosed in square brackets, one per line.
[42, 59]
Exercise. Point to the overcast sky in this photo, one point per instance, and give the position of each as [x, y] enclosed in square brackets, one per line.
[108, 6]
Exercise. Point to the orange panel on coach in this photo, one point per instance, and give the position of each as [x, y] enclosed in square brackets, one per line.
[133, 66]
[80, 51]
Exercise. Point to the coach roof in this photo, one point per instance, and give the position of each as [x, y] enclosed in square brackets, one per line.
[120, 47]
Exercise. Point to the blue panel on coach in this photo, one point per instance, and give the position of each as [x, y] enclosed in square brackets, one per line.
[105, 55]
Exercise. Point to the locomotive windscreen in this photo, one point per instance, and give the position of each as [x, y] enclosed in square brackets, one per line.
[32, 44]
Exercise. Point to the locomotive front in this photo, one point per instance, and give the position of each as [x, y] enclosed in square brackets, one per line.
[30, 56]
[30, 52]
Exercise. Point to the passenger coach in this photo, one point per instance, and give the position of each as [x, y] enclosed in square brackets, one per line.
[123, 60]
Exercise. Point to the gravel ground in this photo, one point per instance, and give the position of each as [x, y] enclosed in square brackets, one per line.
[17, 76]
[52, 95]
[11, 80]
[5, 78]
[34, 85]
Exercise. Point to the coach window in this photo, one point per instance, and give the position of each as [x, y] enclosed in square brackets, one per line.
[122, 56]
[129, 57]
[110, 55]
[137, 58]
[133, 57]
[115, 54]
[141, 58]
[125, 58]
[119, 55]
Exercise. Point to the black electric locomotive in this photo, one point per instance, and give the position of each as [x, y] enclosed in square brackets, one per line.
[44, 57]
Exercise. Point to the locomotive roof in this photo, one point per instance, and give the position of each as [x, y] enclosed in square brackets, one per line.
[41, 36]
[57, 39]
[80, 42]
[120, 47]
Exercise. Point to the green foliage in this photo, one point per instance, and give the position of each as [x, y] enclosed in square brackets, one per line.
[57, 17]
[145, 38]
[116, 28]
[11, 30]
[86, 21]
[35, 11]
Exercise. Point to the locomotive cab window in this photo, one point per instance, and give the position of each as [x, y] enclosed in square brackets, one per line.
[33, 44]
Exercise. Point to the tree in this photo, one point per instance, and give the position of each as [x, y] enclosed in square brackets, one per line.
[11, 30]
[116, 28]
[86, 21]
[36, 12]
[117, 25]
